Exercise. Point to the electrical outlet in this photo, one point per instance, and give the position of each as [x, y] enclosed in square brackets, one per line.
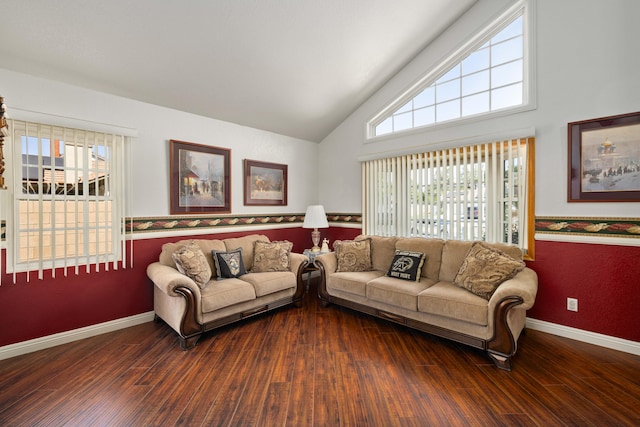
[572, 304]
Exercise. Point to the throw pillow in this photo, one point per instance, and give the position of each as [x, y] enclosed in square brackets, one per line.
[271, 256]
[485, 268]
[353, 255]
[406, 265]
[191, 262]
[228, 264]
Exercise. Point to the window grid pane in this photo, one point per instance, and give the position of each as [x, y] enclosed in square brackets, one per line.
[475, 104]
[424, 116]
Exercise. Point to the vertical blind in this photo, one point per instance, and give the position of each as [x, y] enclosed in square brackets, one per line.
[477, 192]
[68, 199]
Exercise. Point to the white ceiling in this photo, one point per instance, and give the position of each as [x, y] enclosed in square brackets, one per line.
[293, 67]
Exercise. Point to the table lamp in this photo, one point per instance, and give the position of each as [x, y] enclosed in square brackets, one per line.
[315, 218]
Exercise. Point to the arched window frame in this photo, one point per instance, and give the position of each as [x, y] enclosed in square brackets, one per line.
[524, 8]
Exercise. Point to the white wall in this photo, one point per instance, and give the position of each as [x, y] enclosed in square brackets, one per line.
[156, 126]
[587, 67]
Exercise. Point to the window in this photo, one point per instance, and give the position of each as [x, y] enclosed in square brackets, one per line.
[68, 199]
[491, 76]
[479, 192]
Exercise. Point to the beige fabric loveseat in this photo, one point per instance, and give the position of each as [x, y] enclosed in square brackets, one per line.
[192, 297]
[439, 300]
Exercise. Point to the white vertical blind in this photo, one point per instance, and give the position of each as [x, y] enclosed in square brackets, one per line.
[69, 201]
[474, 192]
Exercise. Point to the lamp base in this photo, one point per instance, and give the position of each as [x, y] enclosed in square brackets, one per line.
[315, 238]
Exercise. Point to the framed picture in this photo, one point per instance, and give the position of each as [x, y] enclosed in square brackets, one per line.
[200, 178]
[265, 183]
[604, 159]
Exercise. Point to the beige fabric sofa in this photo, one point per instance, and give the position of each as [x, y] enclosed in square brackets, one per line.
[191, 309]
[434, 303]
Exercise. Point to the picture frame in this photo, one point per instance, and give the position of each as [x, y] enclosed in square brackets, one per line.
[604, 159]
[265, 184]
[200, 178]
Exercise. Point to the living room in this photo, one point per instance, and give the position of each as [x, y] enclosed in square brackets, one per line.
[585, 68]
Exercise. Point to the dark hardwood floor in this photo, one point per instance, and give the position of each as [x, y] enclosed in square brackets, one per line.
[316, 366]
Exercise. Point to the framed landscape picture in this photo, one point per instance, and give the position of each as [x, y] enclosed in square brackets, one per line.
[200, 178]
[265, 183]
[604, 159]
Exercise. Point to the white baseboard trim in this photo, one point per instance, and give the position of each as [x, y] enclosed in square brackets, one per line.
[607, 341]
[41, 343]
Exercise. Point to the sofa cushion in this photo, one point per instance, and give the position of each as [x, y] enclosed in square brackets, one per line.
[246, 243]
[224, 293]
[485, 268]
[229, 264]
[269, 282]
[191, 262]
[448, 300]
[432, 250]
[271, 256]
[353, 255]
[382, 250]
[353, 283]
[401, 293]
[406, 265]
[206, 246]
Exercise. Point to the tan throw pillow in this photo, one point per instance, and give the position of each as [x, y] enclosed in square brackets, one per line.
[353, 255]
[191, 262]
[271, 256]
[485, 268]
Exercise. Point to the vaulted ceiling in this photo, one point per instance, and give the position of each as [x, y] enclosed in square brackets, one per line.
[293, 67]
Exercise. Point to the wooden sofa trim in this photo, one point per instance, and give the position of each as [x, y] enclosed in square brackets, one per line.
[191, 330]
[503, 345]
[499, 348]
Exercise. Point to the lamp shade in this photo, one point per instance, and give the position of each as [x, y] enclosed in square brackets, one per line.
[315, 217]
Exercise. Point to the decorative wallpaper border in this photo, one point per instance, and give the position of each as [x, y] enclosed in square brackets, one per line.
[591, 226]
[605, 227]
[166, 223]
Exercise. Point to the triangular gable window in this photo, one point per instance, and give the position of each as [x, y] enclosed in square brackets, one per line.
[490, 75]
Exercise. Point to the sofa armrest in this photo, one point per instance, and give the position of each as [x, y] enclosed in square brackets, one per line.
[523, 285]
[168, 278]
[329, 262]
[516, 293]
[297, 261]
[298, 264]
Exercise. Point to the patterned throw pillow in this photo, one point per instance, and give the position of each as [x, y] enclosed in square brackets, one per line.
[485, 268]
[271, 256]
[353, 255]
[406, 265]
[228, 264]
[191, 262]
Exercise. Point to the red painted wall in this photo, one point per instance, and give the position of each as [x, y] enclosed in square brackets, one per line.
[45, 307]
[605, 279]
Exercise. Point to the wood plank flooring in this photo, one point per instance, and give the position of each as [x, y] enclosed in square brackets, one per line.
[316, 366]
